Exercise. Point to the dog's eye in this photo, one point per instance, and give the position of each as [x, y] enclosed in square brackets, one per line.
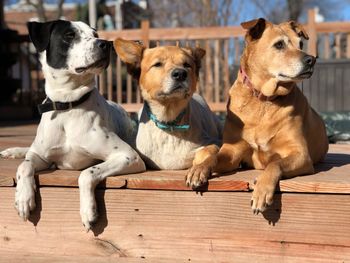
[157, 65]
[95, 34]
[69, 35]
[279, 45]
[187, 65]
[301, 45]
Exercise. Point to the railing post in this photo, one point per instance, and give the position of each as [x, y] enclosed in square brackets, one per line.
[145, 32]
[348, 45]
[311, 28]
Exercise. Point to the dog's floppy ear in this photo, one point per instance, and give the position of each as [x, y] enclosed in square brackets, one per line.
[40, 33]
[197, 53]
[130, 53]
[299, 29]
[255, 28]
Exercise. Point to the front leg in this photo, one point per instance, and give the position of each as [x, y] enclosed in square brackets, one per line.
[231, 155]
[25, 188]
[117, 163]
[288, 167]
[203, 162]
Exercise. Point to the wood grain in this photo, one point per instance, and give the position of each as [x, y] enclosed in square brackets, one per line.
[333, 176]
[212, 227]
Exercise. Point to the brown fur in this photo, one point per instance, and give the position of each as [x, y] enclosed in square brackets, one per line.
[153, 81]
[284, 137]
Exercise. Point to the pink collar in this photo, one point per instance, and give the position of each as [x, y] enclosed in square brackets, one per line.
[249, 84]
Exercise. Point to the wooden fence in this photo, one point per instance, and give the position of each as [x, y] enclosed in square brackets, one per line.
[223, 46]
[329, 40]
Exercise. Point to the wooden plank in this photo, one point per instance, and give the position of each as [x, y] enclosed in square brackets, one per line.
[190, 33]
[226, 68]
[331, 27]
[128, 89]
[218, 106]
[327, 50]
[6, 181]
[145, 32]
[237, 50]
[208, 94]
[184, 226]
[185, 33]
[119, 80]
[110, 82]
[332, 176]
[348, 45]
[132, 107]
[44, 258]
[337, 46]
[311, 30]
[217, 75]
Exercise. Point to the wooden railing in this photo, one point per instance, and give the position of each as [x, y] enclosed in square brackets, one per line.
[223, 48]
[329, 40]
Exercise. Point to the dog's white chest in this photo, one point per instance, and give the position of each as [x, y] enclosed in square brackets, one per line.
[61, 140]
[163, 150]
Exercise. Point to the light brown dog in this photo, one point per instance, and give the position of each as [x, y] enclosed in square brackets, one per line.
[176, 130]
[269, 123]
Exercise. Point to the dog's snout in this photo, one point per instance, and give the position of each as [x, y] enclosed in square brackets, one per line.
[103, 44]
[179, 74]
[309, 60]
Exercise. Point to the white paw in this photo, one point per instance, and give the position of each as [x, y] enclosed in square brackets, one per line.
[88, 213]
[25, 196]
[14, 153]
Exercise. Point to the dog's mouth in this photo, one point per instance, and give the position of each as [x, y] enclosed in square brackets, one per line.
[176, 90]
[302, 75]
[101, 63]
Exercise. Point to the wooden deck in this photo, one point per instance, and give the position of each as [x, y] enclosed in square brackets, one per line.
[153, 217]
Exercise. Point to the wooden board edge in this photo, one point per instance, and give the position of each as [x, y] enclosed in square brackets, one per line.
[179, 185]
[7, 181]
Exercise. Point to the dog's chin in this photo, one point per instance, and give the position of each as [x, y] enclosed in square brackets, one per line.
[176, 92]
[301, 76]
[95, 67]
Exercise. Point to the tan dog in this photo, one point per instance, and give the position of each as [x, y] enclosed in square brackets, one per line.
[177, 130]
[269, 124]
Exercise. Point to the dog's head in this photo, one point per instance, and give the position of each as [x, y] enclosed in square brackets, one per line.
[165, 73]
[277, 50]
[70, 46]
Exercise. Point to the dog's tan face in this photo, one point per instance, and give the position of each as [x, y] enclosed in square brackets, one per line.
[276, 50]
[165, 73]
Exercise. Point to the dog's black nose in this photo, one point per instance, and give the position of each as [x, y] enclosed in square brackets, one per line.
[103, 44]
[179, 74]
[309, 60]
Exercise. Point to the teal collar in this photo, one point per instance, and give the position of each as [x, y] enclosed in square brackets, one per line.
[167, 126]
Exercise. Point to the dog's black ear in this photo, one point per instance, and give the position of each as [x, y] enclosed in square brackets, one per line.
[130, 52]
[299, 29]
[40, 33]
[255, 28]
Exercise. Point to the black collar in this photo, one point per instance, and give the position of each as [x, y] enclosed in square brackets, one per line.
[50, 105]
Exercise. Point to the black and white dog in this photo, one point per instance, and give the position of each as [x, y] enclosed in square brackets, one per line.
[78, 128]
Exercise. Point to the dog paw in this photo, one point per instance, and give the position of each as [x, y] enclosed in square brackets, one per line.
[13, 153]
[197, 176]
[25, 196]
[262, 195]
[88, 214]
